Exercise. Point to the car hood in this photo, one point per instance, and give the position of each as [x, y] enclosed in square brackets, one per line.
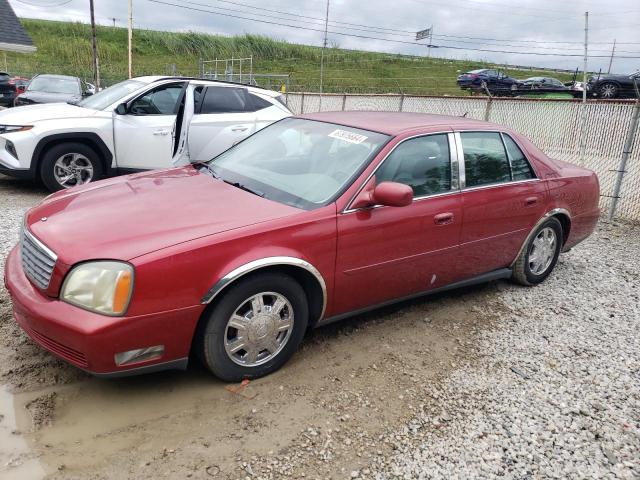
[29, 114]
[49, 97]
[125, 217]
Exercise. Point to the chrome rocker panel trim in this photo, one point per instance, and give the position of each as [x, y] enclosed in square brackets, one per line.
[266, 262]
[179, 364]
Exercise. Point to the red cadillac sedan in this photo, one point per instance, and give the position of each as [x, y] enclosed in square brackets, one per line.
[310, 220]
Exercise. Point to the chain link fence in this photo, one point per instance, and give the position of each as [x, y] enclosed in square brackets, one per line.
[553, 125]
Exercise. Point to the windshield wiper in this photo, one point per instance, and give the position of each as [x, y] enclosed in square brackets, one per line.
[245, 188]
[210, 169]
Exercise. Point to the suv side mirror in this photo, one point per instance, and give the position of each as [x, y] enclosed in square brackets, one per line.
[121, 109]
[87, 93]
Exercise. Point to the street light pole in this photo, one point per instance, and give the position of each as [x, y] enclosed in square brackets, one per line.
[324, 46]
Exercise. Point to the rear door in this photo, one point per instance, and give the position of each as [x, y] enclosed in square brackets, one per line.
[502, 200]
[223, 116]
[144, 135]
[386, 253]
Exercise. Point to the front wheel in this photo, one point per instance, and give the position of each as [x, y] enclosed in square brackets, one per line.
[608, 90]
[255, 327]
[540, 254]
[68, 165]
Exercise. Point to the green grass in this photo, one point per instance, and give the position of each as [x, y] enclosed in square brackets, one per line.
[65, 48]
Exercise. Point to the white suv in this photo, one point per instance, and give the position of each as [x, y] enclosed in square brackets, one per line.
[139, 124]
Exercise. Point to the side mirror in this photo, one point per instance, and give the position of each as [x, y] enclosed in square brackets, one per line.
[87, 93]
[389, 194]
[393, 194]
[121, 109]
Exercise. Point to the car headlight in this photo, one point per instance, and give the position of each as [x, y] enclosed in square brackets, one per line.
[103, 287]
[14, 128]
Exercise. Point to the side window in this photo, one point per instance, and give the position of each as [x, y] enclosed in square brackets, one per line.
[485, 160]
[198, 92]
[159, 101]
[423, 163]
[520, 167]
[225, 100]
[259, 103]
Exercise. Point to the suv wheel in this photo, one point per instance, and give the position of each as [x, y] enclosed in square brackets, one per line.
[68, 165]
[254, 328]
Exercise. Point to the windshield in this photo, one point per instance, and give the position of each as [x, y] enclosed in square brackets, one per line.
[110, 95]
[302, 163]
[54, 85]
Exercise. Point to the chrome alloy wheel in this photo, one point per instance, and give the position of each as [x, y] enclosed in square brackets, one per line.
[72, 169]
[543, 250]
[608, 90]
[259, 329]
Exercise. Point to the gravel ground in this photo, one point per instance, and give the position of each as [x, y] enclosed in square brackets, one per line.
[494, 381]
[554, 390]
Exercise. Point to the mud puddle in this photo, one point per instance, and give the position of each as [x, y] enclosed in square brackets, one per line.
[16, 458]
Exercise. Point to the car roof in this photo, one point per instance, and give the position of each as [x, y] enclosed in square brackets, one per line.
[157, 78]
[392, 123]
[53, 75]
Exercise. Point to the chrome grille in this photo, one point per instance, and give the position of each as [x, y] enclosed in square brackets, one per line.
[37, 260]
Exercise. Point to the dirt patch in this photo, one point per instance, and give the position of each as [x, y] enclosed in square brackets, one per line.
[41, 410]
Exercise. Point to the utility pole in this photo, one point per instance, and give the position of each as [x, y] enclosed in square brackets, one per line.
[430, 41]
[613, 50]
[324, 46]
[114, 21]
[96, 66]
[130, 35]
[583, 113]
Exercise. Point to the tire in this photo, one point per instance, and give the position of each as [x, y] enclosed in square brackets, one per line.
[608, 90]
[532, 269]
[80, 161]
[233, 354]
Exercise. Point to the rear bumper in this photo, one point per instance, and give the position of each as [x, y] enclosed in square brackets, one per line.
[90, 341]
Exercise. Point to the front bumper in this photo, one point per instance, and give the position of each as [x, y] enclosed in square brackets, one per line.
[89, 340]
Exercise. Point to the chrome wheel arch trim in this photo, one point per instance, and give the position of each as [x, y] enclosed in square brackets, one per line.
[261, 263]
[545, 217]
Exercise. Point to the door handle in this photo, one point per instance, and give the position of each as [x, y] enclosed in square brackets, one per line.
[530, 201]
[239, 129]
[161, 132]
[443, 218]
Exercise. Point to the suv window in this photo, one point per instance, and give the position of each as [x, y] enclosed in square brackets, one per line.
[259, 103]
[423, 163]
[225, 100]
[485, 159]
[520, 168]
[162, 100]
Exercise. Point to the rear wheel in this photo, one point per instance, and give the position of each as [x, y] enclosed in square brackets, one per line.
[68, 165]
[540, 255]
[255, 327]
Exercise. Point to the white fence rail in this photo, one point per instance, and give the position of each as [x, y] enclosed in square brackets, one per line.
[553, 125]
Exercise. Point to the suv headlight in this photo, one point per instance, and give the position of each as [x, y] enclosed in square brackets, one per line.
[14, 128]
[103, 287]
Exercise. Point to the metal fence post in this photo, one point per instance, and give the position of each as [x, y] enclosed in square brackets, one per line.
[401, 101]
[302, 103]
[487, 111]
[626, 152]
[344, 101]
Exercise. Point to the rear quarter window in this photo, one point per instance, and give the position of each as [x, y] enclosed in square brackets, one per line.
[520, 166]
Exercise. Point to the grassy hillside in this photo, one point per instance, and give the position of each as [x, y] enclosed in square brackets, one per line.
[66, 48]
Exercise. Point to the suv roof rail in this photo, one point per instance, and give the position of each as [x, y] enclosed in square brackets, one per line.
[177, 77]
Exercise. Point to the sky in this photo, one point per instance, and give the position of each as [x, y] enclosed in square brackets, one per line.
[473, 29]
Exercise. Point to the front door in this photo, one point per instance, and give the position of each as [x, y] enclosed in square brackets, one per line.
[502, 201]
[143, 136]
[391, 252]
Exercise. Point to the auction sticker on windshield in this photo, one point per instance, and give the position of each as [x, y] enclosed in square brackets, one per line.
[348, 136]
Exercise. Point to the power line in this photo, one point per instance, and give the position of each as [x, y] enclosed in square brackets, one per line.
[64, 2]
[376, 38]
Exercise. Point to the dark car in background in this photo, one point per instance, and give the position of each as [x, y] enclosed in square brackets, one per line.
[613, 86]
[10, 87]
[548, 87]
[52, 89]
[496, 81]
